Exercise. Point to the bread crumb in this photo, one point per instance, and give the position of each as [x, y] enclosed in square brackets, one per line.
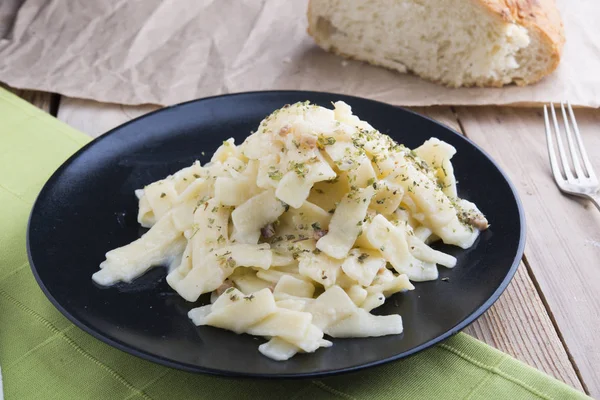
[344, 63]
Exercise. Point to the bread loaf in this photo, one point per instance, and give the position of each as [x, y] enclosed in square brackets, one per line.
[453, 42]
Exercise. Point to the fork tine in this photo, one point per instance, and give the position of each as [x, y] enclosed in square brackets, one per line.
[561, 149]
[551, 152]
[584, 156]
[574, 156]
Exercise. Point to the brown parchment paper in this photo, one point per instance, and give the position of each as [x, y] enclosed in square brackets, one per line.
[169, 51]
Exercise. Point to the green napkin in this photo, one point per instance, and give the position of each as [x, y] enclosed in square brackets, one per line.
[44, 356]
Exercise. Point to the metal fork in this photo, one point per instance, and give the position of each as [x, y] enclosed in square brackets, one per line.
[581, 181]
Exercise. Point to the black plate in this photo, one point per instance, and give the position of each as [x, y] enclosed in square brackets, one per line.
[88, 207]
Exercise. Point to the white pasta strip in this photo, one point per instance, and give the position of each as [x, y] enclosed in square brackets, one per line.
[234, 166]
[438, 213]
[310, 217]
[278, 349]
[383, 276]
[160, 197]
[346, 223]
[362, 265]
[363, 175]
[208, 232]
[234, 311]
[363, 324]
[289, 286]
[391, 242]
[226, 150]
[186, 176]
[397, 284]
[327, 194]
[343, 113]
[337, 315]
[248, 282]
[182, 215]
[437, 155]
[188, 202]
[146, 217]
[157, 246]
[268, 172]
[210, 270]
[289, 325]
[200, 188]
[345, 156]
[210, 225]
[254, 214]
[425, 253]
[320, 268]
[257, 146]
[373, 301]
[281, 260]
[294, 303]
[234, 191]
[344, 281]
[295, 185]
[258, 314]
[423, 233]
[457, 234]
[431, 201]
[273, 275]
[387, 198]
[357, 294]
[293, 189]
[331, 306]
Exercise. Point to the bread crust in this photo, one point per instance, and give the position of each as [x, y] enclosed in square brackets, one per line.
[540, 17]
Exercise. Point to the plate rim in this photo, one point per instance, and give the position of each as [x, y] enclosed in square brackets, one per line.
[472, 317]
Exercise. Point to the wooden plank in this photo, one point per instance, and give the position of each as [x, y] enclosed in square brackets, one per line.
[42, 100]
[517, 324]
[563, 234]
[444, 115]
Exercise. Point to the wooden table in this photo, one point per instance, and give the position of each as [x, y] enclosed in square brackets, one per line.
[549, 313]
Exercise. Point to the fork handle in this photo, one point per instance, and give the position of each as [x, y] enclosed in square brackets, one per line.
[595, 199]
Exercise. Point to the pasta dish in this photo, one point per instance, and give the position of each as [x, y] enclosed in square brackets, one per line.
[301, 230]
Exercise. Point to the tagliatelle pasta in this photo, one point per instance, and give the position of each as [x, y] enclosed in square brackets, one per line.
[302, 230]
